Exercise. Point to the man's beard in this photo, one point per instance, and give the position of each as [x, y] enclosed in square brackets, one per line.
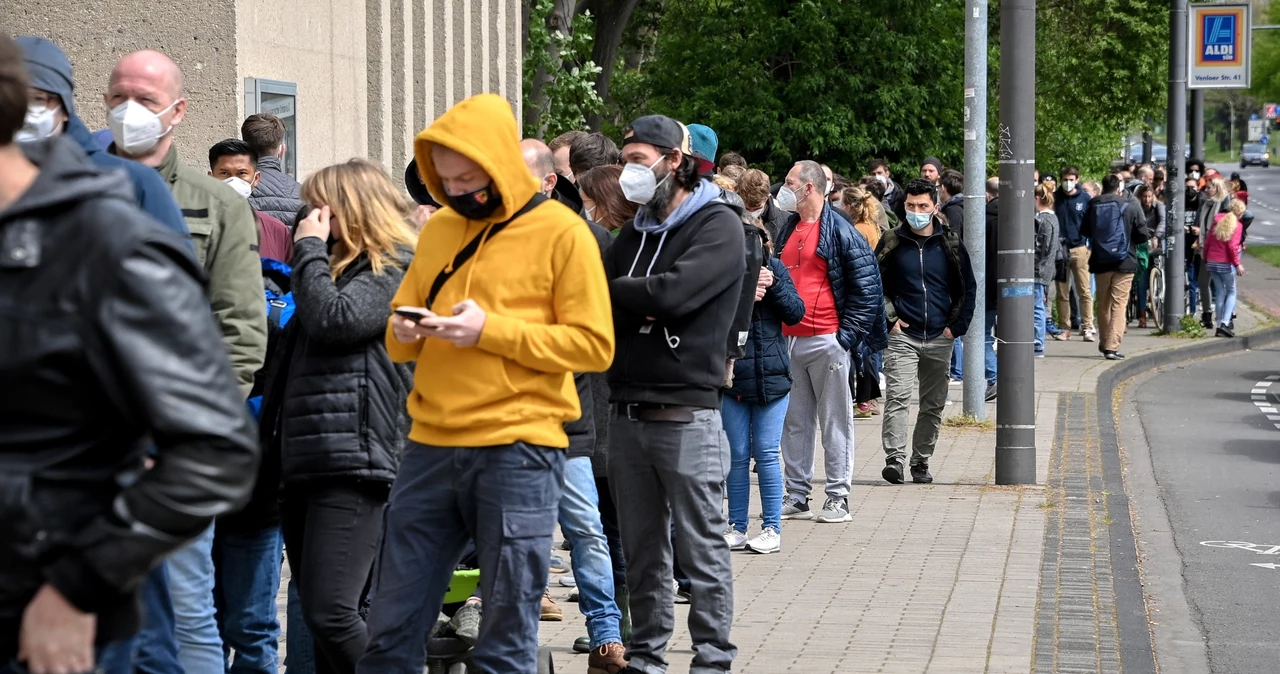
[663, 194]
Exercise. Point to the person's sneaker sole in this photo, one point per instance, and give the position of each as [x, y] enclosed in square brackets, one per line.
[892, 473]
[827, 519]
[804, 515]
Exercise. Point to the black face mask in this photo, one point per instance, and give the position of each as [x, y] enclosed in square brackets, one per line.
[477, 204]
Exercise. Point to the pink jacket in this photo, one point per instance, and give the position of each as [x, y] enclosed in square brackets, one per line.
[1228, 252]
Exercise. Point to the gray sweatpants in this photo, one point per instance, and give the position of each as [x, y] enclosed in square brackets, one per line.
[660, 473]
[906, 362]
[820, 398]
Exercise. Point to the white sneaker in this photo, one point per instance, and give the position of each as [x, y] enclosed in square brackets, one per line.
[736, 539]
[767, 542]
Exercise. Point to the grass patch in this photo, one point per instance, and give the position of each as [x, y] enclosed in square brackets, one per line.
[968, 421]
[1216, 156]
[1268, 254]
[1188, 328]
[1047, 505]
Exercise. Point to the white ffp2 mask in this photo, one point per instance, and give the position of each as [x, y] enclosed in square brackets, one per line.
[135, 128]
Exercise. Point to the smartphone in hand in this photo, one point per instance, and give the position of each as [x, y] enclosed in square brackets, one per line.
[413, 314]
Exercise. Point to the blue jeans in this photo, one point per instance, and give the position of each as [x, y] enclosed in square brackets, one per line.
[957, 360]
[191, 581]
[157, 643]
[592, 565]
[300, 654]
[1224, 294]
[1041, 316]
[248, 579]
[754, 432]
[991, 346]
[505, 498]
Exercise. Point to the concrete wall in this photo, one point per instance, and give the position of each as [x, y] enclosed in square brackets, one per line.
[370, 73]
[199, 35]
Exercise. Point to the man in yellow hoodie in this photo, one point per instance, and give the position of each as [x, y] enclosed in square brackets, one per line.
[505, 300]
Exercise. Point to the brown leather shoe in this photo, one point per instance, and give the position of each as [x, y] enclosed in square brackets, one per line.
[607, 659]
[550, 612]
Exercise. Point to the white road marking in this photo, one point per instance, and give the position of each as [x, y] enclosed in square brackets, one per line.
[1273, 567]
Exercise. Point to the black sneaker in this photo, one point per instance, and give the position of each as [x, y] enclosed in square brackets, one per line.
[1113, 355]
[920, 473]
[991, 392]
[1206, 319]
[892, 472]
[1228, 330]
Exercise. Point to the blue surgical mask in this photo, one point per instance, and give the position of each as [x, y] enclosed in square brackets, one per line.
[919, 221]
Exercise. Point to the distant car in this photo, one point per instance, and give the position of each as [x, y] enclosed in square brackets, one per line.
[1254, 154]
[1159, 154]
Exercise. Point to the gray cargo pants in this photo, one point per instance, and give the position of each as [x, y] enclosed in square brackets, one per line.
[663, 472]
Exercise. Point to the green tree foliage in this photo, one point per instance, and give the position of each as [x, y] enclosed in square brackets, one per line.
[781, 80]
[845, 82]
[1102, 66]
[559, 76]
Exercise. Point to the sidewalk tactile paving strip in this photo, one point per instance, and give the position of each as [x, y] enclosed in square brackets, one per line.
[1076, 614]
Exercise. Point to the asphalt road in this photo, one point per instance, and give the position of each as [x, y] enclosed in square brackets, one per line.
[1264, 200]
[1217, 461]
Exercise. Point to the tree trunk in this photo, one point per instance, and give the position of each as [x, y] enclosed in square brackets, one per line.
[560, 20]
[611, 18]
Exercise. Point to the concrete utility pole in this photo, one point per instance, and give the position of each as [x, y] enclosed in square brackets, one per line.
[1015, 265]
[1197, 124]
[1174, 193]
[975, 202]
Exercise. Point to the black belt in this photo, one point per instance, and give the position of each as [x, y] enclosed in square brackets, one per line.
[680, 414]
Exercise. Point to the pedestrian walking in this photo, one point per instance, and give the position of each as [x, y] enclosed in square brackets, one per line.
[1222, 260]
[674, 301]
[1046, 257]
[929, 292]
[1115, 228]
[836, 275]
[1069, 204]
[508, 299]
[122, 311]
[755, 407]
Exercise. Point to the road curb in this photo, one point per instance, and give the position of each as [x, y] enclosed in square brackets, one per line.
[1131, 612]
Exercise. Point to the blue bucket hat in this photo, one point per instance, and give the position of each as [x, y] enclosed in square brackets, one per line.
[49, 69]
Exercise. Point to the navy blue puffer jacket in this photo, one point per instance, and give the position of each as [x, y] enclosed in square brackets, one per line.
[855, 282]
[763, 374]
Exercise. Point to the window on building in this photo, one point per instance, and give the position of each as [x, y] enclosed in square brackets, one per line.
[279, 99]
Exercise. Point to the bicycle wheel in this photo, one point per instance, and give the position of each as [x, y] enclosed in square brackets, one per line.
[1157, 297]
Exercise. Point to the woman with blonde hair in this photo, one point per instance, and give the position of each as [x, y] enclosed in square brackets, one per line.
[1222, 260]
[334, 408]
[865, 210]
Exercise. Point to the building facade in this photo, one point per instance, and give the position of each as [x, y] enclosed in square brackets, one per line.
[353, 78]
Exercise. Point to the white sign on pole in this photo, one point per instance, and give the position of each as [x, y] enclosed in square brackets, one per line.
[1220, 42]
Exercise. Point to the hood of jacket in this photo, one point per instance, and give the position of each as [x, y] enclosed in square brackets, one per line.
[66, 176]
[483, 129]
[77, 131]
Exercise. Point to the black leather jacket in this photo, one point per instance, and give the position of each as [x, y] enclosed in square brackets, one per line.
[108, 349]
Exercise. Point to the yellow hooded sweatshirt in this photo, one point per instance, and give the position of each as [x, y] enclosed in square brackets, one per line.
[540, 281]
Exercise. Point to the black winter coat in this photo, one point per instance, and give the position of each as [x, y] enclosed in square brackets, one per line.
[763, 374]
[337, 408]
[277, 193]
[855, 281]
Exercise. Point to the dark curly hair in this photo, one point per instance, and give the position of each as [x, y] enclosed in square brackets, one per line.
[919, 186]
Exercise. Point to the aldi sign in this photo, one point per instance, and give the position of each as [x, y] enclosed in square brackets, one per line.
[1220, 38]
